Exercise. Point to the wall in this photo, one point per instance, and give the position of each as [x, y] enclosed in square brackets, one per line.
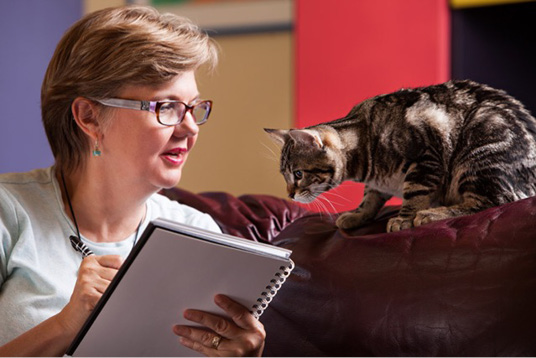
[252, 90]
[94, 5]
[342, 54]
[29, 31]
[359, 49]
[496, 45]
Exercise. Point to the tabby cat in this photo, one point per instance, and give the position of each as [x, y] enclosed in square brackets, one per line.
[448, 150]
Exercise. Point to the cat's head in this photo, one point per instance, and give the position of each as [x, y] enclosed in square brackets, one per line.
[311, 161]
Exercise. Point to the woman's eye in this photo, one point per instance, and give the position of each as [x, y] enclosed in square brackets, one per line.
[166, 107]
[298, 174]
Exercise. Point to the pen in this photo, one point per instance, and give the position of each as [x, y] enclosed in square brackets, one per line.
[80, 246]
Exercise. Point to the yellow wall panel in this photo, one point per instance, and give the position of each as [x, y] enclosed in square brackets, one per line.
[94, 5]
[252, 88]
[457, 4]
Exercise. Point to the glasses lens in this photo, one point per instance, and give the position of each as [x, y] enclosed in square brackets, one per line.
[201, 112]
[171, 113]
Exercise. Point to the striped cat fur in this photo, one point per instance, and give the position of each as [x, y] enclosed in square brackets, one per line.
[447, 150]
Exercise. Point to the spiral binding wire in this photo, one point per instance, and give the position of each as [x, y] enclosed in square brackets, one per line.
[271, 290]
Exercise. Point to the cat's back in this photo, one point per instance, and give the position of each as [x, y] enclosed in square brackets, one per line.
[467, 95]
[460, 95]
[482, 129]
[448, 108]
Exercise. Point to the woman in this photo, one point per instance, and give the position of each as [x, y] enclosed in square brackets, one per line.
[121, 110]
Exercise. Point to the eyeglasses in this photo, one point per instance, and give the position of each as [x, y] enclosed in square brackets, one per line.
[168, 113]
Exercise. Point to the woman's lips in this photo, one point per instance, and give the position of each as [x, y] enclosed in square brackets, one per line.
[176, 156]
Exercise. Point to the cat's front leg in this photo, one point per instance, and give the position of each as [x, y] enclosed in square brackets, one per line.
[404, 220]
[420, 189]
[372, 202]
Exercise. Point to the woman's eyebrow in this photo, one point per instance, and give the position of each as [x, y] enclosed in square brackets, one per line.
[176, 98]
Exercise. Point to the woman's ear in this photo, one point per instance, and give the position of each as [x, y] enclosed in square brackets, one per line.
[85, 114]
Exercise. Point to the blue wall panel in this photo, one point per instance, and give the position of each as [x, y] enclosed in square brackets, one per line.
[29, 32]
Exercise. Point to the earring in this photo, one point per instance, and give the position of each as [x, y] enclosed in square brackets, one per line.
[96, 150]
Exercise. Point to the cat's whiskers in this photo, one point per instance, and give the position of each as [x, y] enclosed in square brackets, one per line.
[327, 188]
[339, 196]
[267, 156]
[332, 203]
[325, 201]
[332, 183]
[274, 156]
[322, 208]
[320, 202]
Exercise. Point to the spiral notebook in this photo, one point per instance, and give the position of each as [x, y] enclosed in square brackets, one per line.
[174, 267]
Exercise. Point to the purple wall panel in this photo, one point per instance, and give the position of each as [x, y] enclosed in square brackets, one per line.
[29, 32]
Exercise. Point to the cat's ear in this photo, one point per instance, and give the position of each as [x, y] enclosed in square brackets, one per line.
[279, 136]
[308, 137]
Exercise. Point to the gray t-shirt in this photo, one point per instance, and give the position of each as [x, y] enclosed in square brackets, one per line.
[38, 266]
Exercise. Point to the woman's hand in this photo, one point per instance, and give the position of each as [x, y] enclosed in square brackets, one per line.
[240, 335]
[94, 276]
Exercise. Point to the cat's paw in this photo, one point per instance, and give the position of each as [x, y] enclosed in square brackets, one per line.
[351, 220]
[399, 223]
[429, 215]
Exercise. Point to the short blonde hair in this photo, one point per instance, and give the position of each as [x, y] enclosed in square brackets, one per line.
[103, 52]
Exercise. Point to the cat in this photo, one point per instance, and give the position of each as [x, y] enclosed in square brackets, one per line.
[447, 150]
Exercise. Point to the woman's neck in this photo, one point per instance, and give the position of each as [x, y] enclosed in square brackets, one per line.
[106, 209]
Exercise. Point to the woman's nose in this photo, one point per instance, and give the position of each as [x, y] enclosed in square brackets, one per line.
[188, 126]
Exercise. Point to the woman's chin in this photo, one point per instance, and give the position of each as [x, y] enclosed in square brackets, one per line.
[169, 181]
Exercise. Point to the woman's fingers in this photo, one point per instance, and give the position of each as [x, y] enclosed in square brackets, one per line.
[106, 274]
[239, 335]
[96, 273]
[218, 324]
[94, 276]
[199, 339]
[93, 279]
[111, 261]
[103, 267]
[100, 285]
[238, 313]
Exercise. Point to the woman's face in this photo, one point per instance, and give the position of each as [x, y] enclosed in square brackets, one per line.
[139, 150]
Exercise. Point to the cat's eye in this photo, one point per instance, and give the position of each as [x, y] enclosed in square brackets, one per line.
[298, 174]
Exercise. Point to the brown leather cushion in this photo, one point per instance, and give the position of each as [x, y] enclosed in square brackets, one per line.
[255, 217]
[459, 287]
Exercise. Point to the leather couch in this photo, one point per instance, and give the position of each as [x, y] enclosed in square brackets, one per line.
[458, 287]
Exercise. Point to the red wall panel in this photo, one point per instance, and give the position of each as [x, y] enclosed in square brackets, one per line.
[350, 50]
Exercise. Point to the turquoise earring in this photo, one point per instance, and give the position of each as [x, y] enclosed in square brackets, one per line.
[96, 149]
